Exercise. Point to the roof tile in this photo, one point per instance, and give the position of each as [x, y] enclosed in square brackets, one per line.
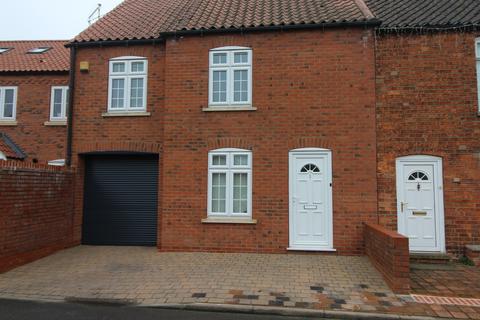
[147, 19]
[18, 60]
[425, 14]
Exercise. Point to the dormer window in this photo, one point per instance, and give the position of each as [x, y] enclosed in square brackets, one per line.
[4, 50]
[128, 85]
[39, 50]
[230, 78]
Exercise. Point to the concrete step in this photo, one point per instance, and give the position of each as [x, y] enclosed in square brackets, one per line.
[429, 258]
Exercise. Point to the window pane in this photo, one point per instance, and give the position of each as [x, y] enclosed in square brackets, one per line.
[136, 93]
[240, 57]
[219, 192]
[118, 67]
[118, 93]
[138, 66]
[57, 103]
[9, 99]
[240, 86]
[240, 160]
[219, 86]
[219, 160]
[478, 49]
[240, 189]
[219, 58]
[67, 97]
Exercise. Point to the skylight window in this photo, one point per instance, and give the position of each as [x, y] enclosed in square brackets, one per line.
[39, 50]
[3, 50]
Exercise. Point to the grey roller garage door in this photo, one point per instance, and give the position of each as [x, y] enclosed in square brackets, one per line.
[120, 200]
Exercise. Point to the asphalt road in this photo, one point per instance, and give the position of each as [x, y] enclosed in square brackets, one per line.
[26, 310]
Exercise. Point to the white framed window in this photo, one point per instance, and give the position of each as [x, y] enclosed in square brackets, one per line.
[59, 103]
[230, 77]
[8, 103]
[230, 183]
[128, 84]
[477, 55]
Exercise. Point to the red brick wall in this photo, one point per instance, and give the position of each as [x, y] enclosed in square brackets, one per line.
[427, 104]
[311, 88]
[36, 212]
[40, 142]
[93, 132]
[388, 251]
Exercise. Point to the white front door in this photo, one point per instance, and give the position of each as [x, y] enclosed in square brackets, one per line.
[420, 202]
[311, 199]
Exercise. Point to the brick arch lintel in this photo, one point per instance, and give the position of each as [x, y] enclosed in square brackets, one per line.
[229, 142]
[309, 142]
[122, 146]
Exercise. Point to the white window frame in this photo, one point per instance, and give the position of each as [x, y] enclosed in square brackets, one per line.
[477, 58]
[63, 115]
[230, 68]
[2, 103]
[230, 169]
[127, 76]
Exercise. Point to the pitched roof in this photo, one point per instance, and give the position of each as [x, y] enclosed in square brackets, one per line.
[17, 58]
[426, 13]
[148, 19]
[9, 148]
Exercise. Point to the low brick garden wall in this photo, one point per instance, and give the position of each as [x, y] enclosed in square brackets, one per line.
[389, 253]
[36, 212]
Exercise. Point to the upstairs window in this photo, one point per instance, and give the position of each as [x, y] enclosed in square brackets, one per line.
[59, 104]
[230, 77]
[8, 103]
[4, 50]
[230, 183]
[477, 54]
[127, 85]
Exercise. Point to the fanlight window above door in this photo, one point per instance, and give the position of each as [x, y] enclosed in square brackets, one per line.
[418, 175]
[310, 168]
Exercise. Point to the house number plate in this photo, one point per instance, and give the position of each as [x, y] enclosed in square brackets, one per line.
[309, 207]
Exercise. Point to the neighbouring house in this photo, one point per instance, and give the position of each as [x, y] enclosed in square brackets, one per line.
[276, 126]
[428, 121]
[34, 77]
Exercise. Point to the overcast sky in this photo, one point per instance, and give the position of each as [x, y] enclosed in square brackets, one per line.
[47, 19]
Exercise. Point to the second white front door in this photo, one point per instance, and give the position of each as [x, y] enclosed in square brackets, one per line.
[311, 199]
[420, 202]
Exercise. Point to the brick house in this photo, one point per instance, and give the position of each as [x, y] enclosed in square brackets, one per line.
[33, 98]
[274, 126]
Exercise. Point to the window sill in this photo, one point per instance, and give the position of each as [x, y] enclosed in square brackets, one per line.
[219, 220]
[8, 123]
[57, 123]
[229, 108]
[312, 249]
[125, 114]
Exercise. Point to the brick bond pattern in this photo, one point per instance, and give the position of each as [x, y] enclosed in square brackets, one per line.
[389, 253]
[304, 100]
[427, 104]
[40, 142]
[36, 212]
[144, 276]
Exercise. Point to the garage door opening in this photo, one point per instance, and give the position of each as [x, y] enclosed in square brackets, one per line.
[120, 200]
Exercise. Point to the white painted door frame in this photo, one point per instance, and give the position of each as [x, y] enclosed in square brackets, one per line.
[314, 152]
[438, 193]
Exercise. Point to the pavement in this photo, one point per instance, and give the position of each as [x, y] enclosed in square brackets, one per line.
[323, 284]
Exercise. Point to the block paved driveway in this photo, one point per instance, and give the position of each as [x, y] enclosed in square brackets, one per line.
[146, 277]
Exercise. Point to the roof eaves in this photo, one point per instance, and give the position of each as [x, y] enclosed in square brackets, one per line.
[374, 22]
[20, 154]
